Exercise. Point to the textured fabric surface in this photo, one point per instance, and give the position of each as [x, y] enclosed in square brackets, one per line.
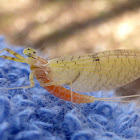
[35, 114]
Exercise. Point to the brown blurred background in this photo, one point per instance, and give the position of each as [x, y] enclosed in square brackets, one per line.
[71, 27]
[68, 27]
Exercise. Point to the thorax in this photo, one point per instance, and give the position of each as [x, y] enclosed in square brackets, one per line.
[40, 69]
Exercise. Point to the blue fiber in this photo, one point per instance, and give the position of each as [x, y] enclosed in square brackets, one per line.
[105, 110]
[71, 124]
[28, 135]
[83, 136]
[4, 109]
[12, 77]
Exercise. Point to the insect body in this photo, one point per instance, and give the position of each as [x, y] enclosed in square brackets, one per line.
[86, 73]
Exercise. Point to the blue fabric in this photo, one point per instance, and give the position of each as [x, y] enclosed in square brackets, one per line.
[35, 114]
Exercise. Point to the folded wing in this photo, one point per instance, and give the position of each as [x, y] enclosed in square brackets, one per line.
[99, 71]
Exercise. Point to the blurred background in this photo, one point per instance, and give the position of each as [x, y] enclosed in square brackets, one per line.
[71, 27]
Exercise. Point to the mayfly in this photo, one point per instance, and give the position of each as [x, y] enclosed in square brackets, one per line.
[86, 73]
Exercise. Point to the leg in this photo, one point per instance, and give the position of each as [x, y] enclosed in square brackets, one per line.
[19, 58]
[31, 83]
[13, 53]
[71, 92]
[72, 95]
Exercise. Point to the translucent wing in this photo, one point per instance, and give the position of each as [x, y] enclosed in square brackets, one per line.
[94, 72]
